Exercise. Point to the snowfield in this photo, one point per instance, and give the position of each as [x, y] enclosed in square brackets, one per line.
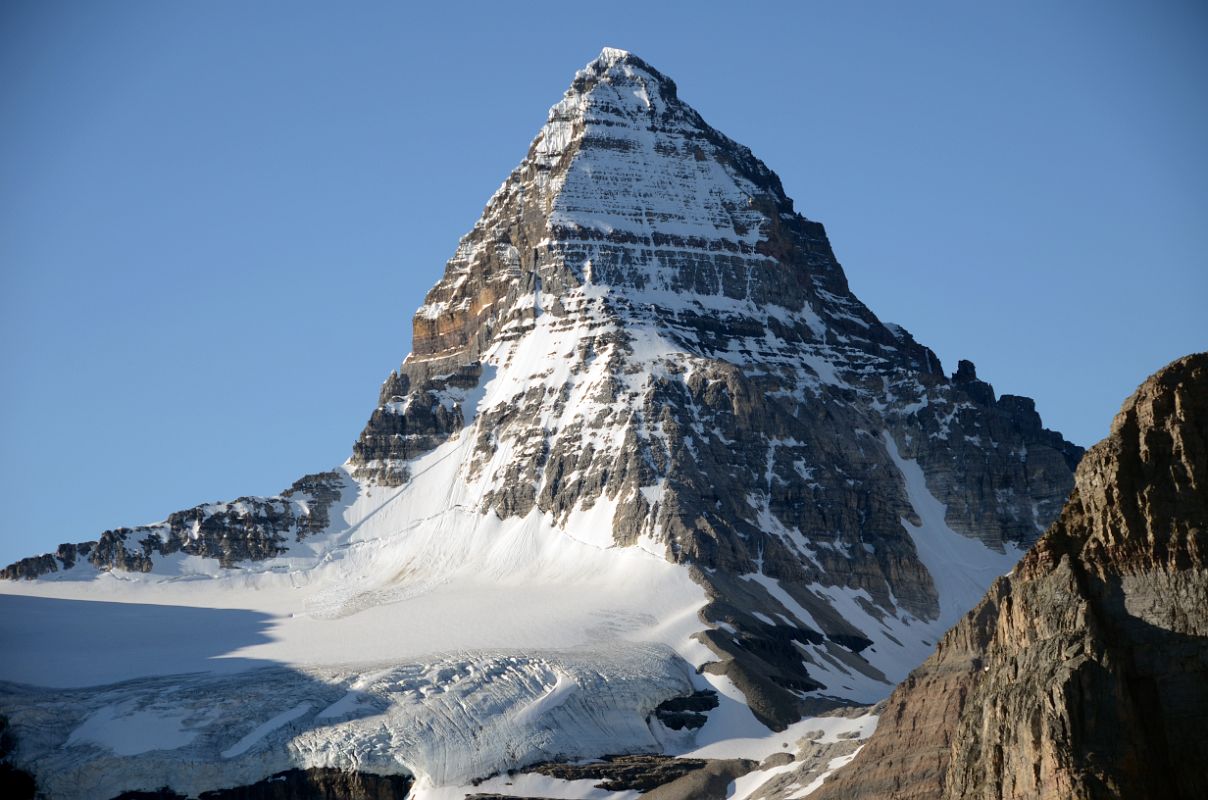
[421, 638]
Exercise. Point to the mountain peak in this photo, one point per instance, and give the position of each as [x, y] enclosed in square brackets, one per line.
[620, 65]
[643, 349]
[623, 162]
[610, 56]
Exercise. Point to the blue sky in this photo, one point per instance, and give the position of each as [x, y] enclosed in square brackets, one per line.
[216, 219]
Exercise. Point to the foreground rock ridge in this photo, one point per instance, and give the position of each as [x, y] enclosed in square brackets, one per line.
[651, 479]
[1084, 674]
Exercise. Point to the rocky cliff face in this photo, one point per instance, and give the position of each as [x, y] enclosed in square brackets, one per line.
[642, 341]
[1084, 674]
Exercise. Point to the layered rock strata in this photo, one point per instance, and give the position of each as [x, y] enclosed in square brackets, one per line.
[1084, 674]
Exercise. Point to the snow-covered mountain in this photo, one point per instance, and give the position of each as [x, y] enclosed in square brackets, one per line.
[647, 444]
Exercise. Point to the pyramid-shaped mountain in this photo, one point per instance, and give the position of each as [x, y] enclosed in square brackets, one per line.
[643, 414]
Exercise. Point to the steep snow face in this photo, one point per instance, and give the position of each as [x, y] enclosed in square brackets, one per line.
[643, 415]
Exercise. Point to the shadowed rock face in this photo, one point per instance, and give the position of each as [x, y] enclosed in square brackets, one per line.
[15, 783]
[300, 784]
[656, 777]
[1084, 674]
[621, 773]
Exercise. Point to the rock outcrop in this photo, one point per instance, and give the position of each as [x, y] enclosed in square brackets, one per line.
[247, 529]
[1084, 674]
[624, 773]
[15, 783]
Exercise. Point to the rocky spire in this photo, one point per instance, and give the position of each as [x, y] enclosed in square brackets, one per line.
[1084, 674]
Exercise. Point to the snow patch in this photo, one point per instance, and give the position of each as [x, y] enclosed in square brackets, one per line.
[961, 568]
[264, 729]
[126, 730]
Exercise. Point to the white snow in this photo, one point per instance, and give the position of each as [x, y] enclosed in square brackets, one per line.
[554, 697]
[420, 573]
[831, 766]
[960, 567]
[264, 729]
[419, 601]
[350, 704]
[126, 730]
[731, 730]
[776, 590]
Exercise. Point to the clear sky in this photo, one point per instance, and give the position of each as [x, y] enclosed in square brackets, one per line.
[216, 219]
